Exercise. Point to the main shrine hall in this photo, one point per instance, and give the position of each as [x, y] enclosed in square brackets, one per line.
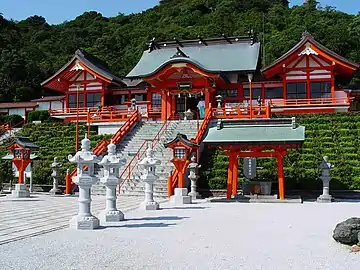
[172, 77]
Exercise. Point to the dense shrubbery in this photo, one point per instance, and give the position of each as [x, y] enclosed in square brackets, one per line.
[334, 135]
[55, 140]
[38, 116]
[14, 119]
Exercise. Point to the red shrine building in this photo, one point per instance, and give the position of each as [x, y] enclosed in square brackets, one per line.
[172, 77]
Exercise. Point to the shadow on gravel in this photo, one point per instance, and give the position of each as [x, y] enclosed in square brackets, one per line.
[25, 200]
[158, 218]
[184, 208]
[140, 225]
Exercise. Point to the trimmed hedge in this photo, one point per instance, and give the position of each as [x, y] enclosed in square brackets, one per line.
[333, 134]
[14, 119]
[55, 139]
[42, 116]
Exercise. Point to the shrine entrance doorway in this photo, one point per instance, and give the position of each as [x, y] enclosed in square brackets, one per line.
[187, 102]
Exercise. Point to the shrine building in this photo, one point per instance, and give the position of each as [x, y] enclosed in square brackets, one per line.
[172, 77]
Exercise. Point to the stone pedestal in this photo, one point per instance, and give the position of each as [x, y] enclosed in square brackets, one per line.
[84, 220]
[193, 168]
[111, 213]
[111, 164]
[147, 168]
[325, 177]
[20, 191]
[180, 197]
[55, 175]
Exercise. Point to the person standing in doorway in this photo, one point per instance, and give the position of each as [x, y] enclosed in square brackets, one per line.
[201, 107]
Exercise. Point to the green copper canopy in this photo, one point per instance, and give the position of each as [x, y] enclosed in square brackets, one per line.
[256, 132]
[212, 56]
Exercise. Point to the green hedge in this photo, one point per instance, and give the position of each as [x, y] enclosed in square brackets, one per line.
[38, 116]
[335, 135]
[55, 139]
[14, 119]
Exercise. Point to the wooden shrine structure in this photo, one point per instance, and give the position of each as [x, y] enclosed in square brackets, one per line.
[171, 78]
[255, 138]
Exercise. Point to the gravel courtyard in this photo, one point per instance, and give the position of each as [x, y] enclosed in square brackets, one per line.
[201, 236]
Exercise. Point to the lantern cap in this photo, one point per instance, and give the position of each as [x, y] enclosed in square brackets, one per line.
[23, 142]
[180, 140]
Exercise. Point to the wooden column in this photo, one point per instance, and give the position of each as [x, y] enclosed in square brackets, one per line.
[230, 176]
[21, 175]
[168, 106]
[180, 180]
[235, 174]
[281, 178]
[163, 105]
[207, 98]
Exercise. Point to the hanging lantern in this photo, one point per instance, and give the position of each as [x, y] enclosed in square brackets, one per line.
[189, 95]
[179, 95]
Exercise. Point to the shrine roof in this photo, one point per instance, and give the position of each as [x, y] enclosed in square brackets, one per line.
[91, 62]
[308, 38]
[25, 142]
[48, 98]
[12, 105]
[183, 139]
[211, 55]
[256, 132]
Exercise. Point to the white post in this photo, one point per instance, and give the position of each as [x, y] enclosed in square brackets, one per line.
[31, 179]
[110, 179]
[84, 220]
[148, 168]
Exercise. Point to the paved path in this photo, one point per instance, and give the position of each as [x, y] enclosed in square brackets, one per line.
[199, 236]
[20, 218]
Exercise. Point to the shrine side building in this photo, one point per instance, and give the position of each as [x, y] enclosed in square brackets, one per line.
[172, 77]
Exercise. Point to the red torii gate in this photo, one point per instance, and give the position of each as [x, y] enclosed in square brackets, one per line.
[255, 138]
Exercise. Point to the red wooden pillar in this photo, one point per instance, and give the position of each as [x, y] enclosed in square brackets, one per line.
[173, 105]
[21, 175]
[180, 180]
[230, 176]
[207, 98]
[235, 174]
[168, 106]
[163, 105]
[281, 178]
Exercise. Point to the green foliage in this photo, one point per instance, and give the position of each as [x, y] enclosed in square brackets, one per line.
[335, 135]
[55, 139]
[32, 50]
[38, 116]
[14, 119]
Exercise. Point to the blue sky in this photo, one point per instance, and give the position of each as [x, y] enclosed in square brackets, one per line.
[58, 11]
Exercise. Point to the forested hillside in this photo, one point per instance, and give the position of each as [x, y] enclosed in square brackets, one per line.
[31, 50]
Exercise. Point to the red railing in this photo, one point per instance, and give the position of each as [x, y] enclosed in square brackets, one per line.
[174, 177]
[126, 174]
[101, 147]
[309, 102]
[6, 127]
[242, 112]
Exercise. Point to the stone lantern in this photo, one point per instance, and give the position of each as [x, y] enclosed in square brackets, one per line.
[133, 104]
[219, 99]
[111, 164]
[85, 178]
[21, 157]
[147, 167]
[193, 176]
[182, 149]
[325, 177]
[55, 166]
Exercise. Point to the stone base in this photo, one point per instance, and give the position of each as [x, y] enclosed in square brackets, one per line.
[84, 223]
[325, 199]
[55, 191]
[180, 197]
[111, 216]
[194, 196]
[20, 191]
[149, 206]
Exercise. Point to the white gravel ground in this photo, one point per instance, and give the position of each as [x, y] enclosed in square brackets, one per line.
[202, 236]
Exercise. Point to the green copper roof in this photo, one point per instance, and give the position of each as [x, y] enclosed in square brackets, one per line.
[271, 131]
[213, 58]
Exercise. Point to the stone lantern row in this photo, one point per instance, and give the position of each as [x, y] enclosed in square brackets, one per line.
[85, 178]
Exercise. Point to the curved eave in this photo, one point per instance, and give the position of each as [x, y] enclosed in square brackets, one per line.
[89, 67]
[176, 61]
[324, 51]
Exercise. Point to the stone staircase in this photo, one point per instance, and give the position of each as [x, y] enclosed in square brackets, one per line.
[8, 134]
[131, 144]
[135, 186]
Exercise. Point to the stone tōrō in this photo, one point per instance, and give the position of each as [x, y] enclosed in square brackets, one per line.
[347, 231]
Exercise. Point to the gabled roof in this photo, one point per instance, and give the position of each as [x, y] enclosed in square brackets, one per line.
[48, 98]
[23, 142]
[308, 38]
[93, 63]
[256, 132]
[182, 139]
[210, 55]
[13, 105]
